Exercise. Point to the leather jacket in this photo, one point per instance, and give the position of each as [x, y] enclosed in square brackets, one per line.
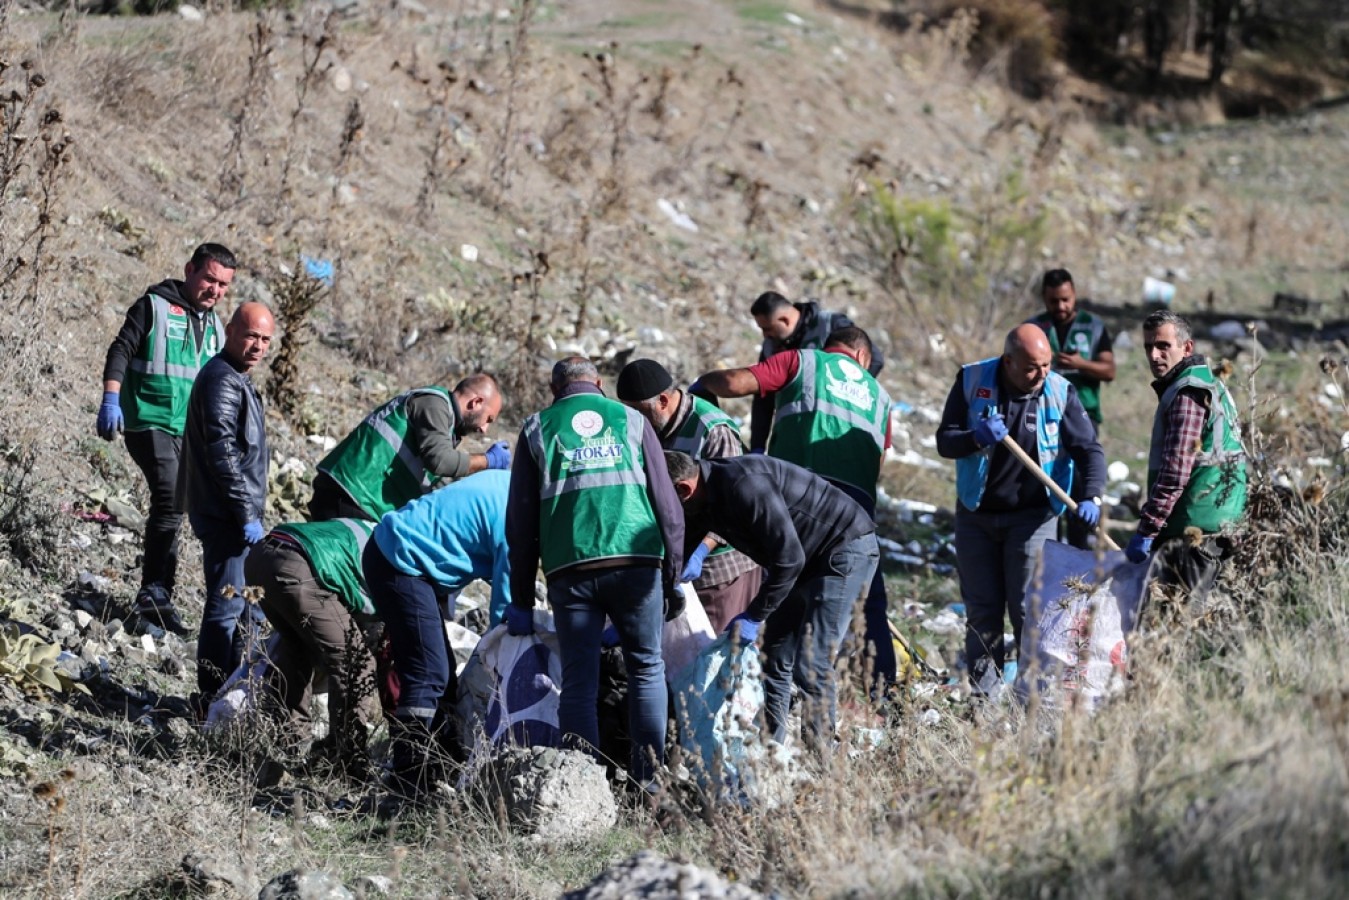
[223, 474]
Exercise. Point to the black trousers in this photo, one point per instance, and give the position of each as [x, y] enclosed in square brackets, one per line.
[1076, 532]
[1189, 567]
[330, 502]
[157, 454]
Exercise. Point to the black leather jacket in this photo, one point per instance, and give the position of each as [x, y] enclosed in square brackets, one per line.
[224, 469]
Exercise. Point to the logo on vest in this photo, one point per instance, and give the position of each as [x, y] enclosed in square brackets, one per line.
[850, 389]
[175, 309]
[587, 423]
[984, 394]
[602, 452]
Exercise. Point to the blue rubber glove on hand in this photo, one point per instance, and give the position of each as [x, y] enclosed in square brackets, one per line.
[1088, 512]
[1139, 548]
[990, 431]
[519, 621]
[609, 636]
[749, 628]
[254, 532]
[109, 416]
[499, 455]
[694, 567]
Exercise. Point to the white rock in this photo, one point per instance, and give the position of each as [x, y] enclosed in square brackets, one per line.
[1344, 441]
[468, 252]
[341, 79]
[929, 717]
[1331, 389]
[794, 19]
[148, 643]
[82, 619]
[191, 13]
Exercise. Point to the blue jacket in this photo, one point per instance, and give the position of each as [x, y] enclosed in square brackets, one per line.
[1050, 425]
[453, 536]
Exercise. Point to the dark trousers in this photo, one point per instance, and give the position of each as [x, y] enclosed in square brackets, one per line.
[875, 609]
[723, 602]
[315, 631]
[229, 623]
[802, 636]
[410, 609]
[1076, 532]
[330, 502]
[631, 597]
[1178, 565]
[156, 453]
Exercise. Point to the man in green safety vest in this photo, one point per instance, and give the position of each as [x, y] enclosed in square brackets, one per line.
[725, 579]
[1084, 355]
[168, 335]
[407, 447]
[591, 500]
[1196, 465]
[832, 417]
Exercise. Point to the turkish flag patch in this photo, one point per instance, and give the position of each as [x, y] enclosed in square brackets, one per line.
[175, 310]
[984, 393]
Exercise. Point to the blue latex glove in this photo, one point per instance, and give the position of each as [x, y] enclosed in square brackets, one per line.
[609, 636]
[694, 567]
[254, 532]
[990, 431]
[1139, 548]
[1088, 512]
[749, 628]
[109, 416]
[519, 621]
[757, 451]
[499, 455]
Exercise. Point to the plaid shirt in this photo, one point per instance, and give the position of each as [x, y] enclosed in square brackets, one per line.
[721, 443]
[1181, 436]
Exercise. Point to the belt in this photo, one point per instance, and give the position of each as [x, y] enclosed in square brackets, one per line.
[281, 541]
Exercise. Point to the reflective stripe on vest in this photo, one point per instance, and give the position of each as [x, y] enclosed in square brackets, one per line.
[810, 401]
[980, 383]
[1082, 338]
[334, 548]
[159, 378]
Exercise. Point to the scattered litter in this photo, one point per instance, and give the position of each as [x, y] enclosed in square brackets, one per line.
[321, 270]
[1117, 471]
[468, 252]
[945, 622]
[794, 19]
[91, 516]
[324, 441]
[929, 716]
[676, 215]
[912, 457]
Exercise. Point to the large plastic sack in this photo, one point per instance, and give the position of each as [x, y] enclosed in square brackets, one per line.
[718, 706]
[523, 678]
[1079, 617]
[687, 635]
[241, 696]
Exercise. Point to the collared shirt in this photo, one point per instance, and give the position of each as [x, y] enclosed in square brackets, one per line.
[1181, 435]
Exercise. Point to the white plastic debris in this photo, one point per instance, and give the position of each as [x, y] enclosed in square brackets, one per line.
[676, 215]
[324, 441]
[468, 252]
[1117, 471]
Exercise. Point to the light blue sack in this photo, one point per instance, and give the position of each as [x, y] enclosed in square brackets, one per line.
[718, 702]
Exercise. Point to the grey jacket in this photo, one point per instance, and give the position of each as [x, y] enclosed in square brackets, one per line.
[223, 474]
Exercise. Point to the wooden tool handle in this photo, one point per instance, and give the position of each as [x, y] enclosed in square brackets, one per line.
[1034, 467]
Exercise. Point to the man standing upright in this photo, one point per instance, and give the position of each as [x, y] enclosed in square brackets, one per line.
[407, 447]
[591, 499]
[724, 579]
[833, 418]
[225, 474]
[1196, 464]
[793, 326]
[168, 335]
[1005, 514]
[1083, 354]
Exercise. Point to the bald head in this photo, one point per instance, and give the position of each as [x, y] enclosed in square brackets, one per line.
[572, 369]
[479, 399]
[249, 335]
[1026, 358]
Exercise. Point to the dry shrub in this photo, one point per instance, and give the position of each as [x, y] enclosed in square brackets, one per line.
[1019, 35]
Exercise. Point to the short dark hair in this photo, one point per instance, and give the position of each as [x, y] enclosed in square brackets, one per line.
[849, 336]
[768, 303]
[680, 465]
[479, 384]
[217, 253]
[573, 368]
[1162, 317]
[1055, 278]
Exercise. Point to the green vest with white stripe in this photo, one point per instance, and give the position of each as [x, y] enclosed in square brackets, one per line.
[375, 465]
[1083, 336]
[593, 499]
[1216, 493]
[159, 378]
[693, 433]
[334, 550]
[831, 419]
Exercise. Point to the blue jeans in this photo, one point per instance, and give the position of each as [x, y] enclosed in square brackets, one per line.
[222, 643]
[884, 668]
[803, 635]
[631, 596]
[410, 609]
[996, 555]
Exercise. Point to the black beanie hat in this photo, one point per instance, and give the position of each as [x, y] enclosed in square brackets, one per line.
[642, 379]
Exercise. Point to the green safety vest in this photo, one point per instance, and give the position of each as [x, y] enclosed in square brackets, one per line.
[1216, 493]
[594, 504]
[159, 378]
[693, 433]
[375, 465]
[1083, 337]
[334, 550]
[831, 419]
